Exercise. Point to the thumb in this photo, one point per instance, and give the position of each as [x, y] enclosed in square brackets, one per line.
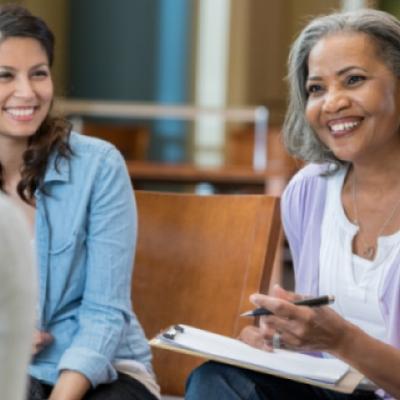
[45, 338]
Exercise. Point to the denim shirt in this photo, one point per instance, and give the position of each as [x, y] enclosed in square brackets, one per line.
[86, 227]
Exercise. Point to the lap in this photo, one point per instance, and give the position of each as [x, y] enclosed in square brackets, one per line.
[124, 388]
[220, 381]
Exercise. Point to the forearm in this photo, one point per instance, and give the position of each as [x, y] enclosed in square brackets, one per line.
[71, 385]
[377, 360]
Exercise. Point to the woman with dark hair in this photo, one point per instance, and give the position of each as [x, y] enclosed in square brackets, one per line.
[78, 199]
[341, 215]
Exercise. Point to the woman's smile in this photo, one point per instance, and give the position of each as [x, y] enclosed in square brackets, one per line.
[353, 97]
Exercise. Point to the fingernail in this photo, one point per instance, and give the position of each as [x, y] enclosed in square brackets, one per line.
[277, 285]
[254, 298]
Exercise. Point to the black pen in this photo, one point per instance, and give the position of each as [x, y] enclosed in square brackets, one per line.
[312, 302]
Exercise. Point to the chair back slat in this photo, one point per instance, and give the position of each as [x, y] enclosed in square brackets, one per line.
[198, 259]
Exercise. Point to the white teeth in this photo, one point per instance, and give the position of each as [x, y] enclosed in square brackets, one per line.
[343, 126]
[19, 112]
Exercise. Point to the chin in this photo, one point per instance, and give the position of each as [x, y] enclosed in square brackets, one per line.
[23, 134]
[345, 154]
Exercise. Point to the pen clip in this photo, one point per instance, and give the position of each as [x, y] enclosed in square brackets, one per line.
[172, 332]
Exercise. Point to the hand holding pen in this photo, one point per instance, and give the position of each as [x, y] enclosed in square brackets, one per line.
[311, 302]
[297, 323]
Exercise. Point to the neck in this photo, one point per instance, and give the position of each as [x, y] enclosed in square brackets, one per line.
[383, 175]
[379, 170]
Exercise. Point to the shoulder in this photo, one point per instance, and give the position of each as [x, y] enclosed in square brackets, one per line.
[82, 145]
[90, 158]
[97, 162]
[305, 194]
[305, 181]
[304, 197]
[94, 154]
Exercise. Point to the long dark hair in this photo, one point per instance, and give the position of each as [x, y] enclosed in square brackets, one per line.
[52, 135]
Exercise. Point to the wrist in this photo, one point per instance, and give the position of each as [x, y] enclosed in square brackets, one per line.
[346, 342]
[71, 385]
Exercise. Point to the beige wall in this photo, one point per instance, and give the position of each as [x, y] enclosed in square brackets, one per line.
[262, 31]
[54, 12]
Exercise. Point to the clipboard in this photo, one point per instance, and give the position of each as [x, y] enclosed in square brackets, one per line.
[327, 373]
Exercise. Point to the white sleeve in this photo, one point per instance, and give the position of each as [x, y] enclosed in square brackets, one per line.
[18, 288]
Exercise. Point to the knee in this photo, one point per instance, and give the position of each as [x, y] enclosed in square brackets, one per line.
[213, 380]
[208, 372]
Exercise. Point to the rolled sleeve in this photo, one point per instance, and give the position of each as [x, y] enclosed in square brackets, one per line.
[96, 367]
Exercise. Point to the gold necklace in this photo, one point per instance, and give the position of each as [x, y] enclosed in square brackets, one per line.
[369, 250]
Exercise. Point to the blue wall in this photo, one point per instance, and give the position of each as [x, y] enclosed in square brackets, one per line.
[136, 50]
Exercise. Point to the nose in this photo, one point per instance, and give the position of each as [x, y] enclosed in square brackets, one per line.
[24, 88]
[335, 100]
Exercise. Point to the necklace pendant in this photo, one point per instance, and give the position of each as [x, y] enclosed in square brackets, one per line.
[369, 252]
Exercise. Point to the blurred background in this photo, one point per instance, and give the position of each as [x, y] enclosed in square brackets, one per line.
[204, 53]
[200, 54]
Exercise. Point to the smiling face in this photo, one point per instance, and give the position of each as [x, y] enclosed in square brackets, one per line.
[353, 100]
[26, 87]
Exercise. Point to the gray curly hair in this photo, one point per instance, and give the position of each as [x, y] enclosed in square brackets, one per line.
[300, 140]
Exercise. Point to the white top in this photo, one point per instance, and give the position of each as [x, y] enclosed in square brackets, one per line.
[17, 301]
[353, 280]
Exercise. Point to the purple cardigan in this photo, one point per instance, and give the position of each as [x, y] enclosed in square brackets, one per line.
[303, 203]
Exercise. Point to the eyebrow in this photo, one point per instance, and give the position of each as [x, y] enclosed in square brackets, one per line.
[7, 67]
[338, 73]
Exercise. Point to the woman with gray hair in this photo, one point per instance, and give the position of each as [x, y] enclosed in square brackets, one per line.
[341, 215]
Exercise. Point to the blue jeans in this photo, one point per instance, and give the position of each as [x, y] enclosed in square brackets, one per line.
[124, 388]
[217, 381]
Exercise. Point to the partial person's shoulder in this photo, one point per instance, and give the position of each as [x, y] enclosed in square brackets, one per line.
[10, 216]
[14, 235]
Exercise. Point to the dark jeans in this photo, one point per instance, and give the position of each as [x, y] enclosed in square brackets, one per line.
[124, 388]
[224, 382]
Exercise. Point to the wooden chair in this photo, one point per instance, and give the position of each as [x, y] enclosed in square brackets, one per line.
[131, 140]
[198, 259]
[240, 146]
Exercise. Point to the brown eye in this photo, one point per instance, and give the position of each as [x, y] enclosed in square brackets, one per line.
[354, 79]
[5, 75]
[40, 74]
[314, 89]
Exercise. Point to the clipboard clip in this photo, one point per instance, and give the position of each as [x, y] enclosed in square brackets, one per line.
[172, 332]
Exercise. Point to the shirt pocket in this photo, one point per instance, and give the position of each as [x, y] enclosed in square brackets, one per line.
[65, 241]
[66, 271]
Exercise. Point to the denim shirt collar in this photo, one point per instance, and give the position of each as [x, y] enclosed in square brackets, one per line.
[57, 170]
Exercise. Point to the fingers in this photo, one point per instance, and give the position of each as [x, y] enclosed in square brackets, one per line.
[299, 327]
[46, 338]
[254, 337]
[291, 322]
[278, 291]
[40, 340]
[277, 306]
